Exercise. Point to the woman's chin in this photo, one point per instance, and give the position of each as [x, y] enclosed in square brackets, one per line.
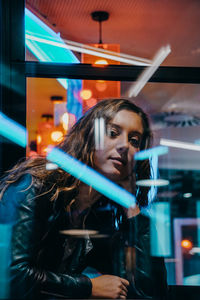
[114, 176]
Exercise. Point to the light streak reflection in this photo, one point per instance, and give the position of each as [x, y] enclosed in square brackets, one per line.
[152, 182]
[12, 130]
[160, 229]
[99, 132]
[179, 144]
[5, 243]
[92, 178]
[77, 47]
[146, 154]
[160, 56]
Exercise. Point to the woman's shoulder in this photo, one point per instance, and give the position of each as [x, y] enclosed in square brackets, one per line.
[11, 198]
[23, 193]
[24, 185]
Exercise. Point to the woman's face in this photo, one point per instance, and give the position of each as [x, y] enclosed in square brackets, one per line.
[122, 141]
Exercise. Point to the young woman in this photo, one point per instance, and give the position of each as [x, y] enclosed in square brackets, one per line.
[41, 203]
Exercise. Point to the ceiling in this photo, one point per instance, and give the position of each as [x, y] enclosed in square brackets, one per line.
[141, 27]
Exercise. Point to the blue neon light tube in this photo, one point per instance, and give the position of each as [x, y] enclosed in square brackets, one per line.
[146, 154]
[12, 130]
[46, 52]
[91, 177]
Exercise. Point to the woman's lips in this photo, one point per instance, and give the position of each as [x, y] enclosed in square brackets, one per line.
[118, 161]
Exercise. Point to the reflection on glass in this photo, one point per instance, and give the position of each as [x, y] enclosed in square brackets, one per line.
[174, 211]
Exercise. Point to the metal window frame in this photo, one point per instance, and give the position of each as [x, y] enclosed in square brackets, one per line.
[111, 72]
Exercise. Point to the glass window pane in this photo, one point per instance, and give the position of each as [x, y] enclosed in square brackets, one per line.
[175, 119]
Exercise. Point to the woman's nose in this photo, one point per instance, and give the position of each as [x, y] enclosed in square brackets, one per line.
[123, 144]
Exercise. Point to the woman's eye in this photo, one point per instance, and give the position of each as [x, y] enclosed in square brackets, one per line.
[112, 133]
[135, 143]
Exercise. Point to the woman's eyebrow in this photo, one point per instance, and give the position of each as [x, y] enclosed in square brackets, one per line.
[135, 132]
[132, 132]
[114, 125]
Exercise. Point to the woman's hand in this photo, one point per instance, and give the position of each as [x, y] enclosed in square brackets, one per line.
[133, 211]
[109, 286]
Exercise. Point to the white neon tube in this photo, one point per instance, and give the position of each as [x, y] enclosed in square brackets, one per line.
[149, 71]
[99, 132]
[178, 144]
[152, 182]
[93, 51]
[142, 60]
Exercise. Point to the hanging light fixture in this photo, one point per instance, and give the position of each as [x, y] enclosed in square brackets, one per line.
[100, 89]
[100, 16]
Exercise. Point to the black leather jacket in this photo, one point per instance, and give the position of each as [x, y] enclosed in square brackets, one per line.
[45, 263]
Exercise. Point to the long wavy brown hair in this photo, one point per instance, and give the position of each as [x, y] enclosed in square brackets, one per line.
[79, 143]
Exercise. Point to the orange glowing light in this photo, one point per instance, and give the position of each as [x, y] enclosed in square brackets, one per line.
[33, 154]
[86, 94]
[65, 126]
[101, 85]
[186, 244]
[46, 149]
[100, 63]
[65, 120]
[57, 136]
[91, 102]
[39, 139]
